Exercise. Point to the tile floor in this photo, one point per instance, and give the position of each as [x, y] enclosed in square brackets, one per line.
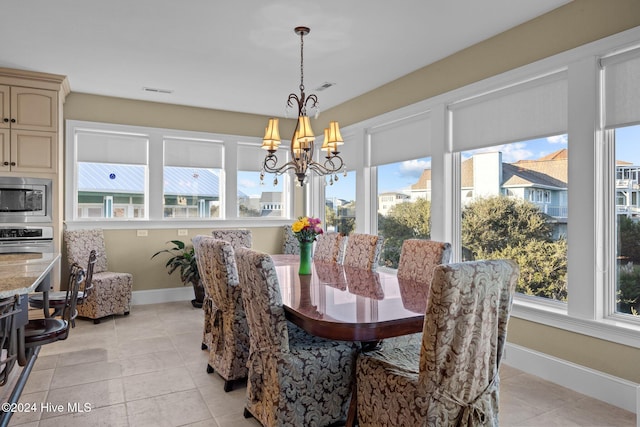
[147, 369]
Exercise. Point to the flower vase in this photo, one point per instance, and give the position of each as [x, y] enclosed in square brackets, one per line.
[305, 257]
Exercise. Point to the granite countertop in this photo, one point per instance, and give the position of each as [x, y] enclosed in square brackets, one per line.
[20, 273]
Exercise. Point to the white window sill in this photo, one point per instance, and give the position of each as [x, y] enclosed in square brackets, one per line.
[626, 333]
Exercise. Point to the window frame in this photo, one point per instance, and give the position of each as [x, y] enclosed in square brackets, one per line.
[155, 178]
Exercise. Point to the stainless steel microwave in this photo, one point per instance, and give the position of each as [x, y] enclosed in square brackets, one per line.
[25, 199]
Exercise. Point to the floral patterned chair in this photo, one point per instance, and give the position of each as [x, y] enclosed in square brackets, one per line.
[419, 257]
[290, 244]
[230, 334]
[452, 377]
[329, 248]
[111, 292]
[295, 379]
[237, 238]
[363, 251]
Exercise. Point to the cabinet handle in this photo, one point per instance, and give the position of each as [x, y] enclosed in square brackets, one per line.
[13, 120]
[6, 163]
[5, 120]
[13, 163]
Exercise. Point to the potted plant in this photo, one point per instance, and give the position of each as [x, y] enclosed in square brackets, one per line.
[184, 259]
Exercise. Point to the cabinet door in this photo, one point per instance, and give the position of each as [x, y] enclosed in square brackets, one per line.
[5, 150]
[34, 109]
[33, 151]
[5, 111]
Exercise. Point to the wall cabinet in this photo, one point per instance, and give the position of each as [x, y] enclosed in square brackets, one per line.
[31, 134]
[28, 108]
[29, 129]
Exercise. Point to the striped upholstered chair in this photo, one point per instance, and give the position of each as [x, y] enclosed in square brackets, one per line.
[363, 251]
[445, 380]
[237, 238]
[294, 378]
[229, 347]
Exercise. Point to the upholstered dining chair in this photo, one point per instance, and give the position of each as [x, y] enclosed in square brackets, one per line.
[452, 377]
[419, 257]
[294, 378]
[363, 251]
[229, 349]
[238, 237]
[111, 292]
[329, 247]
[290, 244]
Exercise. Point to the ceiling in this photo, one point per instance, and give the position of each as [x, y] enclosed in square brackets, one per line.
[244, 55]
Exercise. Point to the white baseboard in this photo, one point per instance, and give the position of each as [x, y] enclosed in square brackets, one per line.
[156, 296]
[613, 390]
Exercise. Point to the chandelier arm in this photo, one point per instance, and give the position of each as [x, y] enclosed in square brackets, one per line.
[279, 170]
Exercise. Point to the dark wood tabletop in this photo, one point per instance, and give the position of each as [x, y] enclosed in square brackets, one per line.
[350, 304]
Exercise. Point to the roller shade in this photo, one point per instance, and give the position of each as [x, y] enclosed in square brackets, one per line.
[622, 89]
[105, 147]
[529, 110]
[404, 139]
[251, 156]
[192, 153]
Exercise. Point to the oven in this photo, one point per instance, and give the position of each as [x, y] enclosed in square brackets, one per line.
[26, 239]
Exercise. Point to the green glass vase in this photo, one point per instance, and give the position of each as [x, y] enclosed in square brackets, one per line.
[305, 257]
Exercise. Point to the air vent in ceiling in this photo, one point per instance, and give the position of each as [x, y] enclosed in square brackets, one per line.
[323, 86]
[156, 90]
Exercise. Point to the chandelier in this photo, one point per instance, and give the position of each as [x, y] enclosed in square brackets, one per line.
[301, 149]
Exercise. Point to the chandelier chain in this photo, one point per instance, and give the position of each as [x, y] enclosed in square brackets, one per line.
[301, 61]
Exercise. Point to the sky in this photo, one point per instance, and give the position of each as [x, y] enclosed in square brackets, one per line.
[399, 176]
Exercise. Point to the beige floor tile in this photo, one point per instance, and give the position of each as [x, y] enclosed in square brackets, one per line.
[133, 348]
[236, 420]
[223, 404]
[151, 362]
[89, 355]
[97, 394]
[45, 362]
[39, 380]
[171, 410]
[153, 384]
[109, 416]
[67, 376]
[30, 408]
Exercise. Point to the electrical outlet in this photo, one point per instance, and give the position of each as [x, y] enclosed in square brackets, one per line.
[142, 233]
[183, 232]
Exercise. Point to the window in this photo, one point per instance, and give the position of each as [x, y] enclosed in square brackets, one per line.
[256, 198]
[622, 121]
[627, 214]
[111, 175]
[399, 152]
[510, 216]
[404, 205]
[192, 178]
[340, 204]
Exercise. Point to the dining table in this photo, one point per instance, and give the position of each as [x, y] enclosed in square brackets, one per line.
[20, 274]
[348, 303]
